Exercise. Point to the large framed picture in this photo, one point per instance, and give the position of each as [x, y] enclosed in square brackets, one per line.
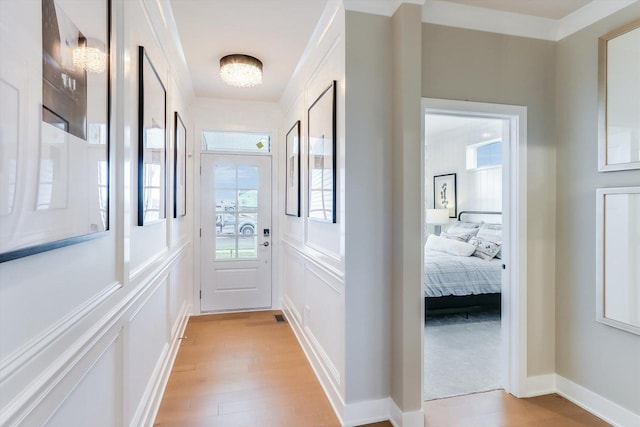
[54, 124]
[618, 92]
[444, 193]
[179, 167]
[152, 142]
[617, 253]
[292, 193]
[322, 156]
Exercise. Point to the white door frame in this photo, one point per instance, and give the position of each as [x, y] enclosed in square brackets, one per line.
[514, 312]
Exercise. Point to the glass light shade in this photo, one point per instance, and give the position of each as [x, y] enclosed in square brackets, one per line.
[241, 70]
[437, 216]
[90, 59]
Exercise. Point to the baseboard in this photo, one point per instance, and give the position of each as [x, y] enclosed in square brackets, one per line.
[540, 385]
[366, 412]
[405, 419]
[161, 383]
[321, 372]
[596, 404]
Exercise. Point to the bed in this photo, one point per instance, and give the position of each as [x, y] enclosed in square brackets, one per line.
[462, 282]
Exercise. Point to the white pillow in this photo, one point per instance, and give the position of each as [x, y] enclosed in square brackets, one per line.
[449, 246]
[460, 234]
[490, 232]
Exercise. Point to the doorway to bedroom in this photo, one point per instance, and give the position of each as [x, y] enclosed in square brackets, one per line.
[469, 315]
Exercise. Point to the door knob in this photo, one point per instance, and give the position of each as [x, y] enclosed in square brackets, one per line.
[265, 244]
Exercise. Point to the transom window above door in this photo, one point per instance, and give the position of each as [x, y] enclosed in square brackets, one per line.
[244, 142]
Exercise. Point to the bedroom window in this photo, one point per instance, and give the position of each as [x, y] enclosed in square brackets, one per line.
[484, 155]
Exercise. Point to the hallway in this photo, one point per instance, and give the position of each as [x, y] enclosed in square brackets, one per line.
[246, 369]
[242, 369]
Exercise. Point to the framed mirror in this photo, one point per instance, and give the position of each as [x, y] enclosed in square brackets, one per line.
[617, 254]
[619, 99]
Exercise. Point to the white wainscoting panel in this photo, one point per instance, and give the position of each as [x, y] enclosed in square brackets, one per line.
[147, 339]
[323, 318]
[84, 406]
[293, 274]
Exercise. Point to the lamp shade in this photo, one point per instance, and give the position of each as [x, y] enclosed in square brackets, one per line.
[241, 70]
[437, 216]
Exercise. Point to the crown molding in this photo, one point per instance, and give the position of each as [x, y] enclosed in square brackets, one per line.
[378, 7]
[515, 24]
[589, 14]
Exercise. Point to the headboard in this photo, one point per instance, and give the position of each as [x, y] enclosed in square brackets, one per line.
[491, 217]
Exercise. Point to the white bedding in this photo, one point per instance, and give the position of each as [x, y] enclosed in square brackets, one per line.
[456, 275]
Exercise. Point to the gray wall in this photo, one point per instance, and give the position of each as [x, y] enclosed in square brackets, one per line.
[600, 358]
[478, 66]
[367, 206]
[406, 259]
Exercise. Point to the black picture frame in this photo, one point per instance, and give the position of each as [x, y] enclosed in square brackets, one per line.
[321, 156]
[152, 142]
[444, 192]
[69, 202]
[179, 167]
[292, 171]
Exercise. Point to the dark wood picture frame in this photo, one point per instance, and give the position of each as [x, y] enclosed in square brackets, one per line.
[25, 223]
[292, 171]
[444, 192]
[179, 167]
[321, 154]
[152, 142]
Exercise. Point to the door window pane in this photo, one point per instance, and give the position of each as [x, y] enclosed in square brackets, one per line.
[236, 141]
[236, 217]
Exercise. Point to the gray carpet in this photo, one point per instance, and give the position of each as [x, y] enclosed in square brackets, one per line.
[462, 356]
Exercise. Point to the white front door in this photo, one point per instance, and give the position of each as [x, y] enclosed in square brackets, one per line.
[235, 194]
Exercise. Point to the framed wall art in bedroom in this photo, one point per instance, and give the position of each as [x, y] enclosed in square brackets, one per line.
[444, 193]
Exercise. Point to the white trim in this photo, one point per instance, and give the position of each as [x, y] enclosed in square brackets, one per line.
[540, 385]
[309, 255]
[600, 254]
[36, 346]
[490, 20]
[160, 383]
[517, 24]
[596, 404]
[316, 362]
[405, 419]
[366, 412]
[380, 7]
[28, 401]
[514, 297]
[589, 14]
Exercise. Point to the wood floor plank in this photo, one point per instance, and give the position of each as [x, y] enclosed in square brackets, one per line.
[244, 369]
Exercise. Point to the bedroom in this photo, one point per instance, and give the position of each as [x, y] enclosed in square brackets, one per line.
[464, 344]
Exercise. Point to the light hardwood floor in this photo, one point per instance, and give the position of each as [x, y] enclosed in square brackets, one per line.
[244, 369]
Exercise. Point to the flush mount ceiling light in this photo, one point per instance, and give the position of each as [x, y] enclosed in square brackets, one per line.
[241, 70]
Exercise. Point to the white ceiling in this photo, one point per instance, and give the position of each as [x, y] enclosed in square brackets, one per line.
[277, 31]
[274, 31]
[552, 9]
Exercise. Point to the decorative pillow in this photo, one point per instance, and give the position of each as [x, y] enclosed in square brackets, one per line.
[490, 232]
[462, 235]
[485, 249]
[449, 246]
